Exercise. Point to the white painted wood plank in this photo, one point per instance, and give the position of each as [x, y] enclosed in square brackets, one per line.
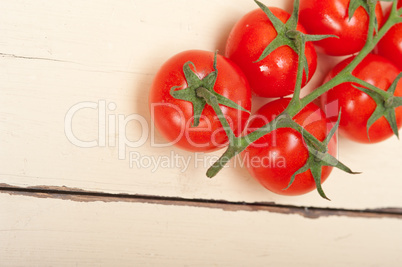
[55, 55]
[52, 232]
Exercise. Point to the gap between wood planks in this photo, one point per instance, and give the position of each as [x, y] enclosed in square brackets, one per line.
[75, 194]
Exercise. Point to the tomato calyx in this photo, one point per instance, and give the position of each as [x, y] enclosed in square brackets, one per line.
[319, 157]
[193, 83]
[386, 103]
[288, 35]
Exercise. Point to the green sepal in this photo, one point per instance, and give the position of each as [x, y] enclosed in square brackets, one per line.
[319, 158]
[193, 83]
[355, 4]
[287, 34]
[386, 102]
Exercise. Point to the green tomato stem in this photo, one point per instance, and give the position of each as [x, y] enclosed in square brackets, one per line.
[295, 102]
[222, 161]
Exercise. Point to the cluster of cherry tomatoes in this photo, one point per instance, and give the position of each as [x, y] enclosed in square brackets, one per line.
[190, 122]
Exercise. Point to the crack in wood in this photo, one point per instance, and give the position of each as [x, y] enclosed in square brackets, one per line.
[34, 58]
[77, 63]
[75, 194]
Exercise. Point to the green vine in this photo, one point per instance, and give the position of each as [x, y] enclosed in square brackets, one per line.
[202, 93]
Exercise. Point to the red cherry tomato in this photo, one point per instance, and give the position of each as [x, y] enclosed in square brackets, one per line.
[332, 17]
[174, 117]
[276, 156]
[356, 106]
[275, 75]
[390, 45]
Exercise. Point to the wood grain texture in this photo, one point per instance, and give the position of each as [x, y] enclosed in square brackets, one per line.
[57, 55]
[51, 232]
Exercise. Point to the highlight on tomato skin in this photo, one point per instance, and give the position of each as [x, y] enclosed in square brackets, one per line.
[174, 118]
[275, 75]
[332, 17]
[275, 157]
[356, 106]
[390, 46]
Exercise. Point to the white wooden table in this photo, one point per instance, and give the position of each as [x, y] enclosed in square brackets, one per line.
[74, 84]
